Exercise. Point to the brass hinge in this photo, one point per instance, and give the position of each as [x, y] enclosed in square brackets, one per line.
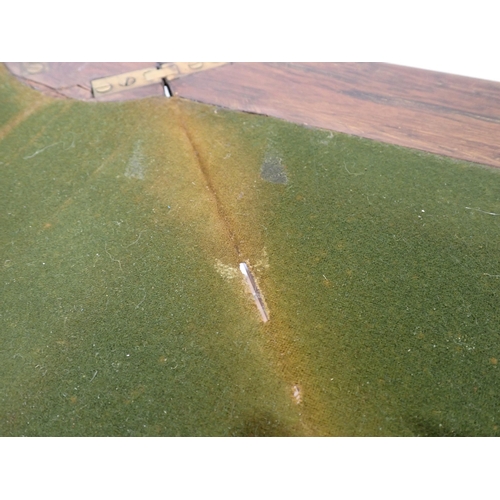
[147, 76]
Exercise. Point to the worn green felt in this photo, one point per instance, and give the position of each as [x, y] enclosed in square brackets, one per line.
[123, 311]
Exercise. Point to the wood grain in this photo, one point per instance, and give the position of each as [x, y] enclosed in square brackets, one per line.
[445, 114]
[436, 112]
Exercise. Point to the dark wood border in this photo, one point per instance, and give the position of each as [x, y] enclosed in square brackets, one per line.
[436, 112]
[445, 114]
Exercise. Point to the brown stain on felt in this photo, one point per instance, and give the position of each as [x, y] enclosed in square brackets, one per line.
[292, 367]
[290, 364]
[29, 100]
[219, 206]
[20, 117]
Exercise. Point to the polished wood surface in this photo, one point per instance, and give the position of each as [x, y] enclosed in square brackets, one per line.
[436, 112]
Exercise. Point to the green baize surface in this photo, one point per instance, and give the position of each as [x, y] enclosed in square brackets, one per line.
[123, 311]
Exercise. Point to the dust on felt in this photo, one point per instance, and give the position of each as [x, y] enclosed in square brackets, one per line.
[226, 271]
[272, 170]
[297, 396]
[136, 167]
[65, 144]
